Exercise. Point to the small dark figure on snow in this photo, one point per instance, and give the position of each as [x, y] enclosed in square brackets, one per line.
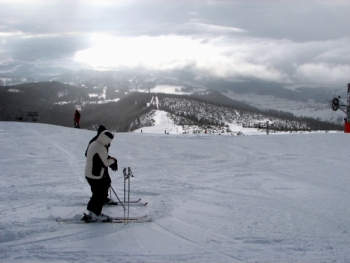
[76, 119]
[96, 172]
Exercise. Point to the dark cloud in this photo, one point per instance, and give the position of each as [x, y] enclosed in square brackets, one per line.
[31, 48]
[283, 40]
[294, 20]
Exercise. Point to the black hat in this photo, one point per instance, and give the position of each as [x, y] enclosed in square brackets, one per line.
[101, 129]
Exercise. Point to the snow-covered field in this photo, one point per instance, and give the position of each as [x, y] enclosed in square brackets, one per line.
[272, 198]
[168, 89]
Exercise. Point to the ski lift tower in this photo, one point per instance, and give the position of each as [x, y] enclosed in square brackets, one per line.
[347, 120]
[338, 104]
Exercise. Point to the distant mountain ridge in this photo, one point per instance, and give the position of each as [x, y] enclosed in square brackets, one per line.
[122, 111]
[320, 95]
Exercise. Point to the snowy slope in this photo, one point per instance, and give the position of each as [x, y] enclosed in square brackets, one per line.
[269, 198]
[164, 125]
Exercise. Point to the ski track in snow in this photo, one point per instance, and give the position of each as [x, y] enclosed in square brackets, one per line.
[276, 198]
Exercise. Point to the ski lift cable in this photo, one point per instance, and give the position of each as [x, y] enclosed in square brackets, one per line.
[328, 92]
[335, 90]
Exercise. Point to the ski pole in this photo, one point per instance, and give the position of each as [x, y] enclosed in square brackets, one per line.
[128, 190]
[124, 172]
[117, 197]
[129, 175]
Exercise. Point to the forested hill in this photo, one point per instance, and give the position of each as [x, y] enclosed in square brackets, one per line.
[125, 111]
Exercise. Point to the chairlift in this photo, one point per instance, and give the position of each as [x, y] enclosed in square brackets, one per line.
[5, 115]
[337, 103]
[19, 115]
[33, 114]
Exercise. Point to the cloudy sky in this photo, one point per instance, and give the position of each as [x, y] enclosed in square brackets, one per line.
[287, 41]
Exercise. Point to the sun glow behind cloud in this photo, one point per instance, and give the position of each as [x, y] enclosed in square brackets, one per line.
[171, 52]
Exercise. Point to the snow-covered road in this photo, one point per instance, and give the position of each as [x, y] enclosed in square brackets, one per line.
[275, 198]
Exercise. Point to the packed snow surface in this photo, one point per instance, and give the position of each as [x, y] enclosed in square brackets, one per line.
[212, 198]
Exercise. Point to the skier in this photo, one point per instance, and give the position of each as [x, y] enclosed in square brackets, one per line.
[106, 178]
[97, 161]
[76, 119]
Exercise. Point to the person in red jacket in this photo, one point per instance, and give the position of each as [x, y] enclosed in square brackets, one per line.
[76, 119]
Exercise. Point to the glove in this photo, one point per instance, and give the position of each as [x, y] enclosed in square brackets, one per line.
[114, 166]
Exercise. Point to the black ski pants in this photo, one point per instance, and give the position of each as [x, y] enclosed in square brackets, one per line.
[98, 189]
[107, 183]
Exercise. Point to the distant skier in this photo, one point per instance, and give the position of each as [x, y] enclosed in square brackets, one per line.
[106, 177]
[97, 161]
[76, 119]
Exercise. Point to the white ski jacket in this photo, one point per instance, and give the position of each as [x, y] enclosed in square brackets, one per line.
[97, 156]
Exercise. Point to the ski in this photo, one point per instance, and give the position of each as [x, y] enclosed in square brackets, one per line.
[136, 202]
[138, 219]
[130, 203]
[145, 220]
[133, 201]
[130, 218]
